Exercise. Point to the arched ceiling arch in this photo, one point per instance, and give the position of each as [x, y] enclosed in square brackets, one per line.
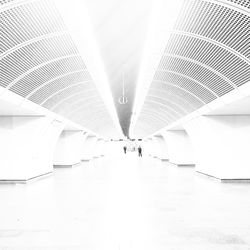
[207, 55]
[40, 62]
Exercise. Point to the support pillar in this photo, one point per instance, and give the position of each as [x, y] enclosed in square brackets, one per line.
[179, 147]
[100, 148]
[27, 145]
[160, 148]
[221, 146]
[89, 148]
[69, 148]
[150, 147]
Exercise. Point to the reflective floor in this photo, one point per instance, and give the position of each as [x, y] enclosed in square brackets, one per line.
[125, 203]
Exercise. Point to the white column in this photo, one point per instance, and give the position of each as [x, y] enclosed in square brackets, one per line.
[160, 147]
[222, 145]
[89, 150]
[100, 147]
[150, 146]
[154, 147]
[69, 148]
[179, 147]
[27, 144]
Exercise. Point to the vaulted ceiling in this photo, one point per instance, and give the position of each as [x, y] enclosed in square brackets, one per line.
[203, 55]
[206, 56]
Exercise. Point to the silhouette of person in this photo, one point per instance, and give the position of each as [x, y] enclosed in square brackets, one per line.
[125, 149]
[139, 151]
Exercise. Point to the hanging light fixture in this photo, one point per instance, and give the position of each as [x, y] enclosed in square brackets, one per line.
[123, 99]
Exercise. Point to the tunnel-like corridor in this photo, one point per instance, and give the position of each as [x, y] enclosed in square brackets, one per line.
[124, 124]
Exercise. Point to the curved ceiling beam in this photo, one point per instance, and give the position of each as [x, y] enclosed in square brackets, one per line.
[189, 78]
[62, 90]
[95, 121]
[166, 100]
[150, 108]
[39, 66]
[147, 122]
[92, 115]
[164, 106]
[214, 42]
[231, 5]
[86, 116]
[15, 4]
[31, 41]
[52, 80]
[183, 100]
[154, 116]
[180, 88]
[84, 106]
[80, 101]
[79, 93]
[204, 66]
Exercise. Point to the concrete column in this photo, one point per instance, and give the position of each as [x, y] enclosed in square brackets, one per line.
[160, 147]
[89, 150]
[100, 147]
[222, 145]
[150, 147]
[84, 138]
[179, 147]
[68, 148]
[27, 145]
[154, 147]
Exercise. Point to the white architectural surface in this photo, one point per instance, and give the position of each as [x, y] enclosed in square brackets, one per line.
[90, 149]
[159, 147]
[80, 80]
[27, 145]
[179, 147]
[69, 148]
[221, 145]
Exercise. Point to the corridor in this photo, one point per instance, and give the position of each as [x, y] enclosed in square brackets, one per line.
[123, 202]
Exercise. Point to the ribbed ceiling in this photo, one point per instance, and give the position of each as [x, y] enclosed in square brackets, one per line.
[206, 56]
[39, 61]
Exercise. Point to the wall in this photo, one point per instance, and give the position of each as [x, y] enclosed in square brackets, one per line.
[69, 148]
[222, 145]
[27, 144]
[179, 147]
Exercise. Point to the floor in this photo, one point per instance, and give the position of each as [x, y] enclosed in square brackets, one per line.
[124, 202]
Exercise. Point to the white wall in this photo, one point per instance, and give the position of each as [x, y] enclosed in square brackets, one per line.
[160, 147]
[147, 146]
[69, 148]
[89, 148]
[27, 144]
[222, 145]
[100, 148]
[179, 147]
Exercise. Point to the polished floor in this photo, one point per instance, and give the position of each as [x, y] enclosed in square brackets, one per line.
[125, 203]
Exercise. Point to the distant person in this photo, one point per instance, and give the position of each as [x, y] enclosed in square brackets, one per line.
[125, 149]
[139, 151]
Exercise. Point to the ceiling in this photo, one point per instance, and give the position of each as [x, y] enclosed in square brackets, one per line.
[206, 56]
[172, 58]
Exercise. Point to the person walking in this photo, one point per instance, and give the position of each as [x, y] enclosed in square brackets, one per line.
[139, 151]
[125, 149]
